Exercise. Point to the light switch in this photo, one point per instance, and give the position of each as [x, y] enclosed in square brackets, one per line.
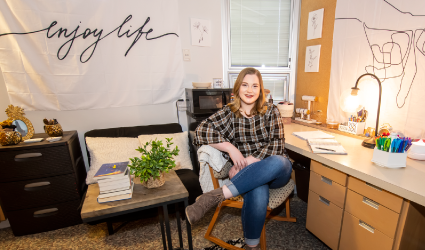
[186, 54]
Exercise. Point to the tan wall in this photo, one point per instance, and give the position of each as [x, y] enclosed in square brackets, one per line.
[315, 83]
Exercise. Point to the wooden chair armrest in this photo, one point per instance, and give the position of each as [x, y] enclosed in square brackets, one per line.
[214, 180]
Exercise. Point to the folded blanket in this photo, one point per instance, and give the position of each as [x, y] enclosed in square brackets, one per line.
[213, 157]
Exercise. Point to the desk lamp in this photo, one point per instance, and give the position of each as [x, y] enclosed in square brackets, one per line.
[350, 102]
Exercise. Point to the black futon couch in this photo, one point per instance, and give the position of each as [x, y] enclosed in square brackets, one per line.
[189, 178]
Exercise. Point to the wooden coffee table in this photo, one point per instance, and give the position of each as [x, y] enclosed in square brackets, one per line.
[172, 192]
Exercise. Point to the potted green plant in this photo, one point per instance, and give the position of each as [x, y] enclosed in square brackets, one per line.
[156, 160]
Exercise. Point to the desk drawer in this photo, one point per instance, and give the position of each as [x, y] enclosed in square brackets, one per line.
[356, 235]
[38, 192]
[42, 219]
[329, 172]
[377, 194]
[328, 189]
[371, 212]
[324, 219]
[35, 163]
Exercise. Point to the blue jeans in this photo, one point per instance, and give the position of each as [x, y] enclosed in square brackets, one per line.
[253, 182]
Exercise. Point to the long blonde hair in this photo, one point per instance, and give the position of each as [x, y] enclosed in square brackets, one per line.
[260, 107]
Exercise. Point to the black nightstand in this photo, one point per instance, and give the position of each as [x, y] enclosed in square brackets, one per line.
[42, 184]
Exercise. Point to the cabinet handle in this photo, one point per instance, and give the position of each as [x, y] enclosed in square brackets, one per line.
[45, 212]
[325, 201]
[373, 186]
[371, 203]
[326, 166]
[36, 186]
[327, 180]
[27, 156]
[366, 226]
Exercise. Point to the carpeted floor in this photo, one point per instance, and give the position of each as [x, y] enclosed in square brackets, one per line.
[146, 234]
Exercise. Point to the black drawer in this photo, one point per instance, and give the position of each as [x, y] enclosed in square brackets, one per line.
[38, 192]
[15, 165]
[29, 221]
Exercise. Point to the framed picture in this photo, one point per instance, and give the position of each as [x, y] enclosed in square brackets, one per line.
[218, 83]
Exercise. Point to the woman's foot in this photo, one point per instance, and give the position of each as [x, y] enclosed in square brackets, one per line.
[204, 203]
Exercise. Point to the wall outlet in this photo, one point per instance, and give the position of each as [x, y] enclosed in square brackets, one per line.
[186, 54]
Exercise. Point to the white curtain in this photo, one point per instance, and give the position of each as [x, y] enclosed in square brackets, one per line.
[49, 70]
[385, 38]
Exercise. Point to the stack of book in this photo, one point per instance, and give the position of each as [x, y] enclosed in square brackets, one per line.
[114, 181]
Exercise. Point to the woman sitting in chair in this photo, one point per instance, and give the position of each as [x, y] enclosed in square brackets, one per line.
[249, 131]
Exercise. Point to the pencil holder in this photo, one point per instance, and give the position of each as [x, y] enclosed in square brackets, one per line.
[355, 128]
[389, 160]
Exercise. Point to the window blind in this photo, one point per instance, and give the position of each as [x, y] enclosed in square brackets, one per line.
[259, 33]
[277, 84]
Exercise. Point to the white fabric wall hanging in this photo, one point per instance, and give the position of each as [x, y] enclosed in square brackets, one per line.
[90, 54]
[385, 38]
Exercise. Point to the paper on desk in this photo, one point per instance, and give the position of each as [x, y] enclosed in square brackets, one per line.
[313, 135]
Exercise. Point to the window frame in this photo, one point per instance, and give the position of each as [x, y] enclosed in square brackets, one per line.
[290, 70]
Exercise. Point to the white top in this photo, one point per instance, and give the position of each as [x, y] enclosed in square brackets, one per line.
[408, 182]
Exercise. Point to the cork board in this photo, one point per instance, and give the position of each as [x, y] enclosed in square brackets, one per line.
[315, 83]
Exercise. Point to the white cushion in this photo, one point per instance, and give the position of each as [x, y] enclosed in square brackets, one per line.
[109, 150]
[180, 140]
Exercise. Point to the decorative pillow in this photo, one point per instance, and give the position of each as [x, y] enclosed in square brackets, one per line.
[108, 150]
[180, 140]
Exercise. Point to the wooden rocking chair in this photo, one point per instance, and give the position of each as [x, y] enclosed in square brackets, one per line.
[238, 203]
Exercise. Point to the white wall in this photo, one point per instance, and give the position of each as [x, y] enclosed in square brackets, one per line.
[205, 64]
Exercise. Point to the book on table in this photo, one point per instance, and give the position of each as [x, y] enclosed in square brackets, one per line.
[111, 170]
[117, 197]
[125, 179]
[326, 146]
[116, 193]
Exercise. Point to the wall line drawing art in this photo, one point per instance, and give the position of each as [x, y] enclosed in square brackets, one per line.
[394, 53]
[315, 22]
[312, 58]
[201, 32]
[385, 38]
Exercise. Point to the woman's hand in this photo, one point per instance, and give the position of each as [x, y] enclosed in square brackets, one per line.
[251, 159]
[233, 171]
[238, 160]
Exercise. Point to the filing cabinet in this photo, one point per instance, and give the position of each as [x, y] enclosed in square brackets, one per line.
[42, 184]
[371, 217]
[347, 213]
[326, 202]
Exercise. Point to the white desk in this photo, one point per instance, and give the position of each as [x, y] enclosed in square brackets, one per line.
[408, 182]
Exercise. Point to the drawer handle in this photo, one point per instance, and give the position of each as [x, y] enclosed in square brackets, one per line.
[325, 201]
[27, 156]
[373, 186]
[371, 203]
[36, 186]
[326, 166]
[45, 212]
[366, 226]
[327, 180]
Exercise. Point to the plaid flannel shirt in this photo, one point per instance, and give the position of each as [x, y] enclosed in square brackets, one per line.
[259, 136]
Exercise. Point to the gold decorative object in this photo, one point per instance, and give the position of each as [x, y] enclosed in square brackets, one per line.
[16, 114]
[53, 130]
[154, 183]
[10, 138]
[385, 128]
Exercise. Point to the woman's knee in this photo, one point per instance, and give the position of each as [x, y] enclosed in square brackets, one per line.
[280, 162]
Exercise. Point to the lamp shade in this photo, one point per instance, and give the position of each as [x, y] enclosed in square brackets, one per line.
[350, 102]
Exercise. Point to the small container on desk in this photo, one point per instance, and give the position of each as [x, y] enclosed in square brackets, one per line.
[355, 128]
[388, 159]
